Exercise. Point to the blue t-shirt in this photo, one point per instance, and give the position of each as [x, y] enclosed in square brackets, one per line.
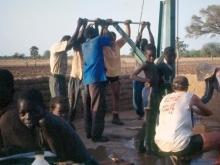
[93, 60]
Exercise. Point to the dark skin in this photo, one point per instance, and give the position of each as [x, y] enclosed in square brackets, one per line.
[60, 110]
[139, 37]
[170, 57]
[73, 39]
[67, 145]
[150, 60]
[6, 95]
[29, 113]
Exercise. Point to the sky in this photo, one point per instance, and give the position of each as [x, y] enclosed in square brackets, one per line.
[26, 23]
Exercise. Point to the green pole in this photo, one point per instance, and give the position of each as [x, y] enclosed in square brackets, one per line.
[173, 23]
[160, 29]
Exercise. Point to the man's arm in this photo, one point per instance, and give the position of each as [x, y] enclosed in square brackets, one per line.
[74, 37]
[208, 91]
[135, 76]
[201, 109]
[105, 26]
[122, 40]
[81, 39]
[139, 36]
[150, 34]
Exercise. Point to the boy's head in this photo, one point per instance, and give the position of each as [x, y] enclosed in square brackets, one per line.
[59, 106]
[111, 35]
[170, 55]
[150, 53]
[90, 32]
[6, 87]
[65, 38]
[143, 44]
[30, 107]
[180, 83]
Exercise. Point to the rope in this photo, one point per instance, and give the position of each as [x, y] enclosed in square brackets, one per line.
[142, 7]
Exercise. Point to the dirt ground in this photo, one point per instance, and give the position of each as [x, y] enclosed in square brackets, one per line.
[121, 144]
[22, 68]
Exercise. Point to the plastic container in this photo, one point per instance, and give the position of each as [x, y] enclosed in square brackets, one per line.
[39, 160]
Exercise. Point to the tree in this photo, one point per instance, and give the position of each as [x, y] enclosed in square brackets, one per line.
[211, 49]
[34, 51]
[207, 23]
[46, 54]
[18, 55]
[181, 46]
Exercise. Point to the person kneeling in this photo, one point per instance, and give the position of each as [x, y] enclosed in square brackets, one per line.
[174, 133]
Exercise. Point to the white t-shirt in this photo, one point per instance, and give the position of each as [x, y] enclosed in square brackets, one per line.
[175, 125]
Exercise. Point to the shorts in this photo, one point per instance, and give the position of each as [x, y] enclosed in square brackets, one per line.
[112, 79]
[194, 147]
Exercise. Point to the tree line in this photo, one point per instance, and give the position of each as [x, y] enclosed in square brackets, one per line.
[206, 23]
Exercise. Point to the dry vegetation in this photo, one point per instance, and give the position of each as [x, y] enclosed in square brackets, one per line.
[27, 69]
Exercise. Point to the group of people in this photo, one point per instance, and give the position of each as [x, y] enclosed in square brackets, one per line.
[95, 64]
[157, 94]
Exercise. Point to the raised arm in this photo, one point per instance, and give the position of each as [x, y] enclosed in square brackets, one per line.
[200, 107]
[135, 76]
[150, 33]
[122, 40]
[74, 37]
[208, 91]
[139, 36]
[80, 39]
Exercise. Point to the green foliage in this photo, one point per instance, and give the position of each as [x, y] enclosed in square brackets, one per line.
[181, 46]
[34, 51]
[207, 23]
[46, 54]
[191, 53]
[211, 50]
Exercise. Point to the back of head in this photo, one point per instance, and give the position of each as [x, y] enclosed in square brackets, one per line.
[180, 83]
[111, 35]
[6, 87]
[143, 44]
[57, 100]
[169, 51]
[7, 77]
[90, 32]
[65, 38]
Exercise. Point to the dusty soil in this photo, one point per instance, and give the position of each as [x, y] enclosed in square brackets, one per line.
[26, 68]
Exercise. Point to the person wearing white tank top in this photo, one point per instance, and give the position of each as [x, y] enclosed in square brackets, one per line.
[175, 128]
[174, 133]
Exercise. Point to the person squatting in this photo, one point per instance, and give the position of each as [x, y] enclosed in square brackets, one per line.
[96, 64]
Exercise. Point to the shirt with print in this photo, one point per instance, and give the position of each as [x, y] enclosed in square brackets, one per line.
[175, 125]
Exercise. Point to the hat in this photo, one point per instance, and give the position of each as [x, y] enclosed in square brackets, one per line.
[204, 71]
[180, 81]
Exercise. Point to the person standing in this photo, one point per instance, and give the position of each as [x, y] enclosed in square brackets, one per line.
[138, 86]
[166, 71]
[75, 86]
[113, 69]
[94, 79]
[151, 81]
[58, 65]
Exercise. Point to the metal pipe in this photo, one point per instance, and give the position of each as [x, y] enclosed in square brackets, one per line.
[136, 23]
[160, 29]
